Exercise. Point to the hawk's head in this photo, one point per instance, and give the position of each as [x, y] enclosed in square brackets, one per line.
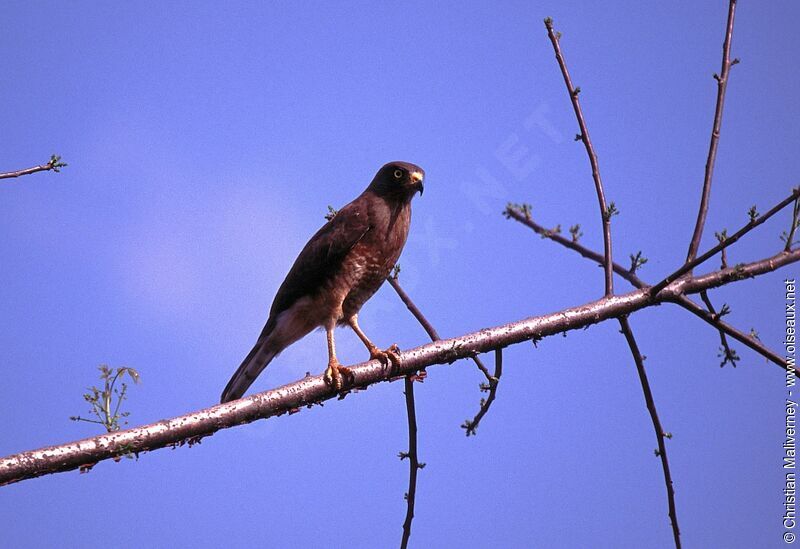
[398, 180]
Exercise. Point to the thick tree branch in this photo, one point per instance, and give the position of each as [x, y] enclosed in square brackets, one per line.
[54, 164]
[660, 434]
[605, 211]
[722, 85]
[192, 427]
[524, 217]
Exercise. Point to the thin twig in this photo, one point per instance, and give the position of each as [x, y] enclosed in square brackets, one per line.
[793, 228]
[605, 212]
[512, 212]
[722, 84]
[472, 426]
[54, 164]
[751, 342]
[109, 394]
[87, 420]
[413, 460]
[660, 434]
[738, 335]
[427, 326]
[723, 260]
[752, 224]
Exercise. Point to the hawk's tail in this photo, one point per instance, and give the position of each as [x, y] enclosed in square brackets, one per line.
[253, 364]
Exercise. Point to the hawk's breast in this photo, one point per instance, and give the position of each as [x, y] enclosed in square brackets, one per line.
[370, 261]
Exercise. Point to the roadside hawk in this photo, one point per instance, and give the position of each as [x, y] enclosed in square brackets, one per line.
[337, 271]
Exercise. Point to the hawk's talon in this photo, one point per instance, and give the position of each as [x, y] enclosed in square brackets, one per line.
[394, 354]
[388, 357]
[337, 376]
[332, 376]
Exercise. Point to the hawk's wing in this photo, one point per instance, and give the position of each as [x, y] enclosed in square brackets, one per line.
[321, 257]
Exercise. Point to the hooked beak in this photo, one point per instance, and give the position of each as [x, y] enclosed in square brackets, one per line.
[416, 179]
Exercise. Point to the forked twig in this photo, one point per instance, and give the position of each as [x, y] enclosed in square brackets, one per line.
[727, 354]
[752, 224]
[471, 426]
[514, 213]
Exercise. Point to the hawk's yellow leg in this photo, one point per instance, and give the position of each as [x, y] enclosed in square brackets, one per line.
[390, 355]
[335, 371]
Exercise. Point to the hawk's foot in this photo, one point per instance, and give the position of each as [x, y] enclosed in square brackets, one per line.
[332, 376]
[388, 357]
[337, 375]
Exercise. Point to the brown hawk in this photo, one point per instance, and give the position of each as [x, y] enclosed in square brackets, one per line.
[337, 271]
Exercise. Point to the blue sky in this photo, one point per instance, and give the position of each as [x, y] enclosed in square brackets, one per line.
[204, 146]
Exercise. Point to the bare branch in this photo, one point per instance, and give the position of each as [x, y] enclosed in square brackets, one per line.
[683, 301]
[722, 84]
[752, 224]
[54, 164]
[660, 434]
[192, 427]
[511, 212]
[605, 211]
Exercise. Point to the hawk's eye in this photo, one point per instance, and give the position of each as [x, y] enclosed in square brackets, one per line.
[398, 174]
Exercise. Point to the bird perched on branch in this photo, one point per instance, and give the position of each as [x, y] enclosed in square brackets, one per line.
[337, 271]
